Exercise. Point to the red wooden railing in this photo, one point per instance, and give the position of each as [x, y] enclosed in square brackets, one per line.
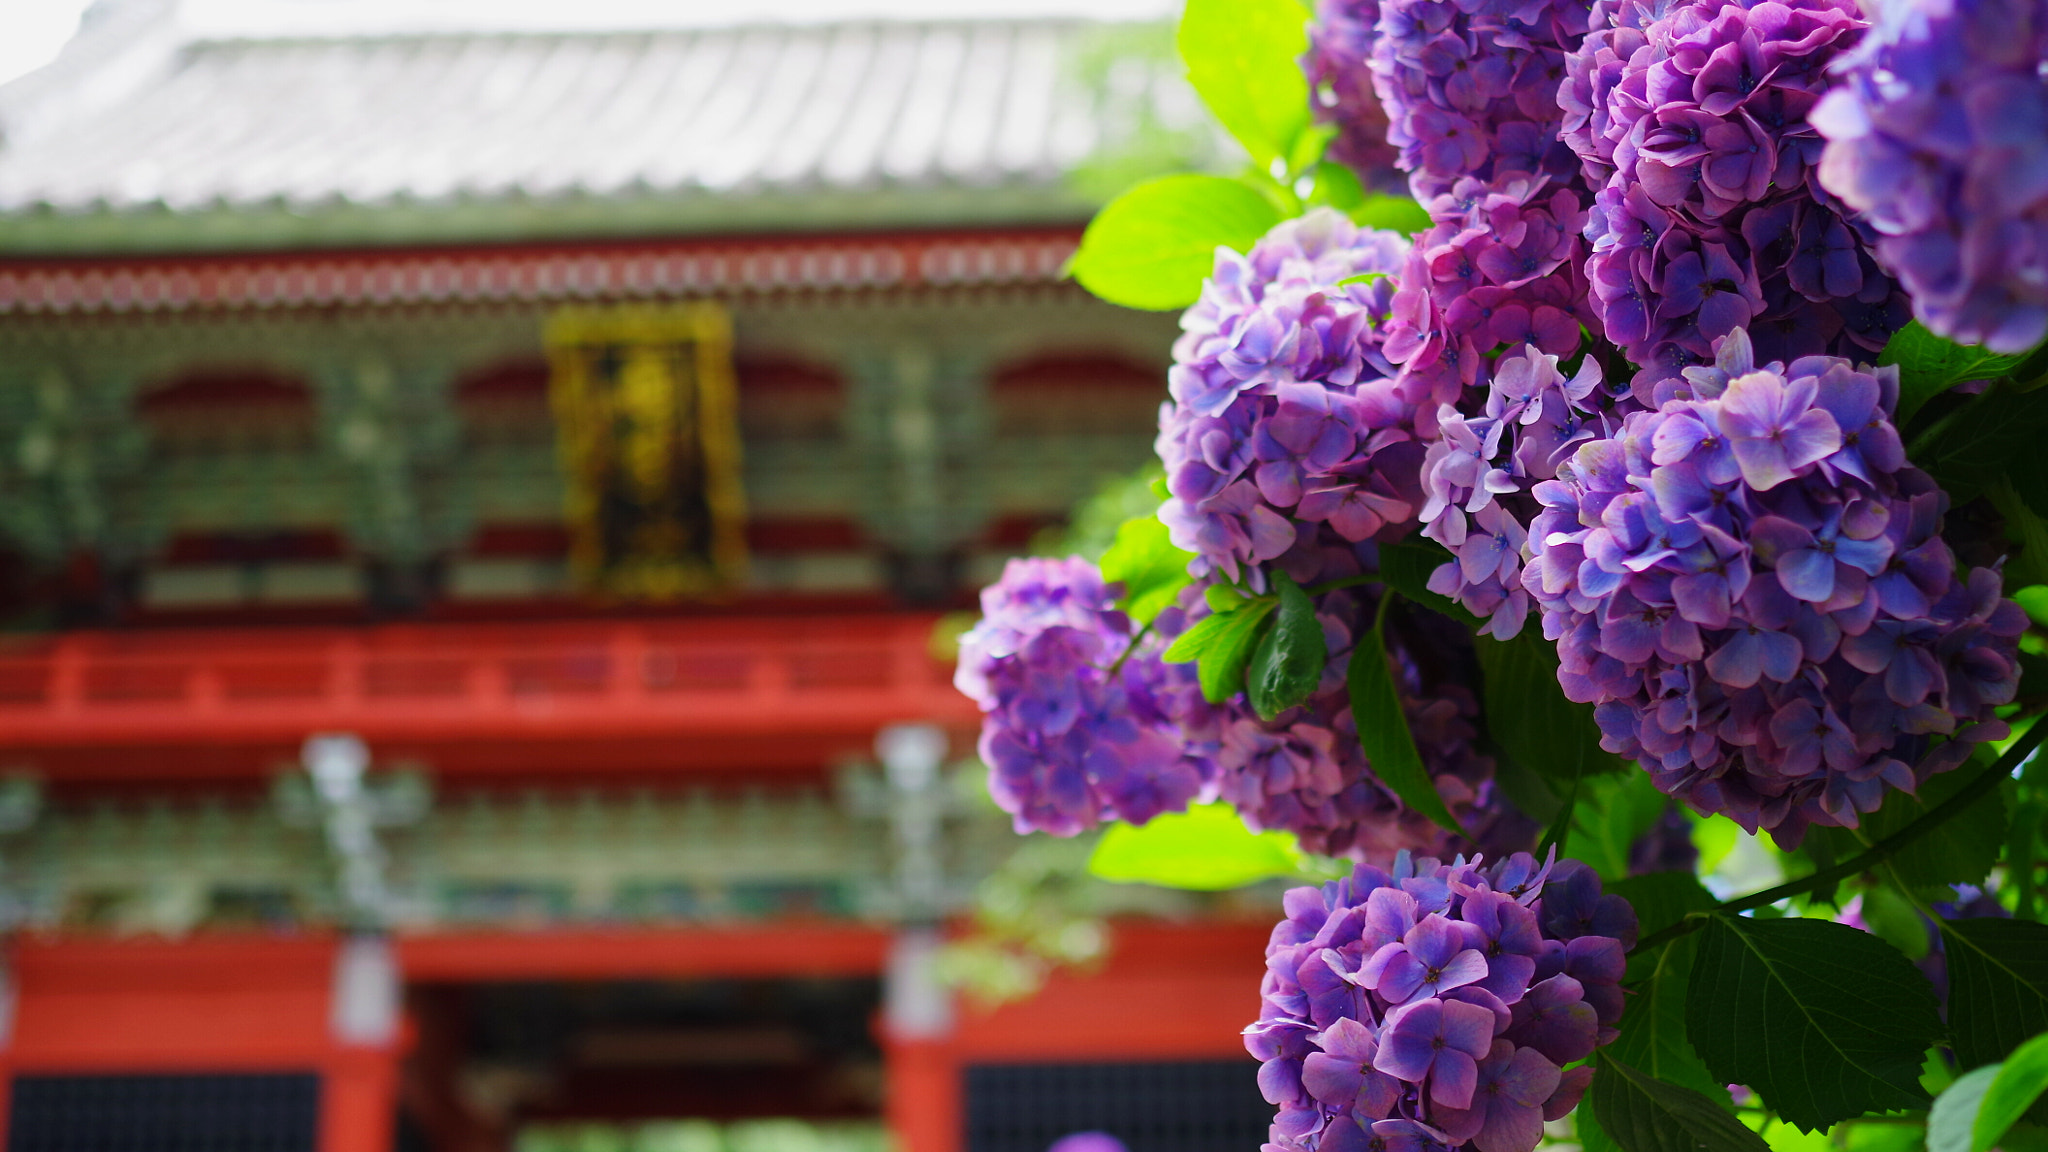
[724, 677]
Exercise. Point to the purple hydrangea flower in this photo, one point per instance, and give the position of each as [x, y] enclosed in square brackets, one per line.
[1692, 121]
[1340, 40]
[1067, 741]
[1285, 432]
[1749, 584]
[1470, 89]
[1934, 135]
[1357, 1052]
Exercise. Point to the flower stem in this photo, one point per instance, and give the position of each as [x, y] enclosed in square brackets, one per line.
[1985, 782]
[1128, 649]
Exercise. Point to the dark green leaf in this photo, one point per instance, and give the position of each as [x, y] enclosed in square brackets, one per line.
[1962, 851]
[1653, 1028]
[1241, 58]
[1393, 213]
[1290, 659]
[1662, 899]
[1222, 646]
[1824, 1022]
[1929, 365]
[1984, 441]
[1642, 1114]
[1152, 246]
[1383, 731]
[2021, 1081]
[1150, 568]
[1406, 567]
[1615, 811]
[1529, 717]
[1997, 985]
[1557, 834]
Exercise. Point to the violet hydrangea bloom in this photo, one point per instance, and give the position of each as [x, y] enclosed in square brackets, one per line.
[1470, 89]
[1434, 1005]
[1692, 121]
[1937, 134]
[1340, 39]
[1750, 585]
[1284, 430]
[1068, 742]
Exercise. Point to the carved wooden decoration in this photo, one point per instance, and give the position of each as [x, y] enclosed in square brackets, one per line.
[648, 434]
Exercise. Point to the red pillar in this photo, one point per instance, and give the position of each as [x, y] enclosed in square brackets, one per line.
[924, 1106]
[358, 1101]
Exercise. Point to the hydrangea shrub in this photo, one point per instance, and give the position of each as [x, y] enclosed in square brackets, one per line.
[1623, 474]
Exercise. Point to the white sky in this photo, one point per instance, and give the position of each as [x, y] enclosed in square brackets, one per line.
[31, 31]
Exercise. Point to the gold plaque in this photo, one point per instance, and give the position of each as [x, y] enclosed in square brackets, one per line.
[647, 427]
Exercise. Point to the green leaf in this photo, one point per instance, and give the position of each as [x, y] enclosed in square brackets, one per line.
[1241, 57]
[1406, 567]
[2020, 1082]
[1653, 1029]
[1823, 1021]
[1383, 730]
[1152, 247]
[1528, 715]
[2020, 1085]
[1952, 1120]
[1150, 568]
[1222, 646]
[1614, 811]
[2023, 526]
[1393, 213]
[1337, 187]
[1985, 441]
[1930, 365]
[1997, 985]
[1662, 899]
[1290, 659]
[1205, 849]
[1643, 1114]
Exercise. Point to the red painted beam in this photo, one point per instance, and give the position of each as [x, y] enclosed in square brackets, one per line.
[801, 681]
[775, 949]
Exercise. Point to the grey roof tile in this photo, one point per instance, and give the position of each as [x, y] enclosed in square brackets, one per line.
[368, 121]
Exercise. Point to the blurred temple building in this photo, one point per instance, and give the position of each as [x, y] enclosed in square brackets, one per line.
[476, 504]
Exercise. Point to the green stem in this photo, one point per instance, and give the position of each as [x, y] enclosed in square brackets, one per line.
[1985, 783]
[1130, 648]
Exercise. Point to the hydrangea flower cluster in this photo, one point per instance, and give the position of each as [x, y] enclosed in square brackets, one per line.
[1284, 427]
[1340, 38]
[1470, 89]
[1749, 584]
[1692, 122]
[1435, 1005]
[1477, 478]
[1934, 135]
[1305, 772]
[1078, 728]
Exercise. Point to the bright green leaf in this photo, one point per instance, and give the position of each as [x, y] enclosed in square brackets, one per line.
[1222, 646]
[1643, 1114]
[1152, 247]
[1823, 1021]
[1614, 812]
[1150, 568]
[1529, 717]
[1207, 849]
[1383, 731]
[1289, 660]
[1337, 187]
[1997, 985]
[1930, 365]
[2021, 1081]
[1393, 213]
[1950, 1123]
[1242, 57]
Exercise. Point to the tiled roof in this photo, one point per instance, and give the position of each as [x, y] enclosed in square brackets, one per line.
[903, 122]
